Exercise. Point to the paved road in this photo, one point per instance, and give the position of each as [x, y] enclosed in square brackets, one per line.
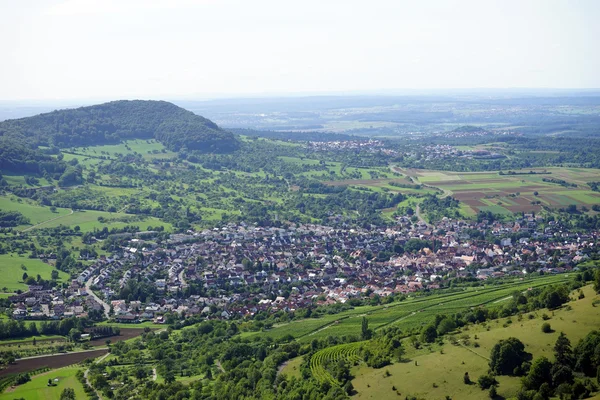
[88, 286]
[419, 216]
[182, 278]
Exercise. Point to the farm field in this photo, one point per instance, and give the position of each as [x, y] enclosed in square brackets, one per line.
[54, 361]
[38, 389]
[126, 333]
[511, 193]
[12, 271]
[414, 316]
[446, 370]
[409, 314]
[125, 326]
[28, 340]
[41, 347]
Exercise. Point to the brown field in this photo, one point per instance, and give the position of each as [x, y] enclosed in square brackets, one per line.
[469, 195]
[126, 333]
[474, 203]
[54, 361]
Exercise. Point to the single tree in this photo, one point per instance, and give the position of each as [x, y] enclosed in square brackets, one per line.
[563, 351]
[539, 373]
[365, 331]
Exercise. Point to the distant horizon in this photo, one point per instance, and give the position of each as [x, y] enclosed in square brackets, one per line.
[406, 92]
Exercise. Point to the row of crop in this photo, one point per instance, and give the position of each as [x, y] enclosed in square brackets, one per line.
[348, 352]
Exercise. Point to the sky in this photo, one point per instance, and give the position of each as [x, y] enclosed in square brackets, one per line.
[113, 49]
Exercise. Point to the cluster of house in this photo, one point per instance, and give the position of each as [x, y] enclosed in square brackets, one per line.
[369, 145]
[445, 151]
[299, 265]
[52, 304]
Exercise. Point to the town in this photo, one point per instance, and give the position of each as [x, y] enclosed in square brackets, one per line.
[239, 270]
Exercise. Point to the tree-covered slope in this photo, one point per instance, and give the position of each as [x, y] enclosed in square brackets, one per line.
[111, 122]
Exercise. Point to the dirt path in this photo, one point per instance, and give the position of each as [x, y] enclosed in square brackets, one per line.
[218, 364]
[474, 352]
[45, 222]
[323, 327]
[420, 216]
[85, 375]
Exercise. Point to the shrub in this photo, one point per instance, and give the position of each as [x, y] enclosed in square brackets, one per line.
[546, 328]
[466, 379]
[22, 378]
[486, 381]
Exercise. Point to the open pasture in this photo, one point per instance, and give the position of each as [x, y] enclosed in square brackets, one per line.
[510, 193]
[30, 209]
[432, 373]
[12, 271]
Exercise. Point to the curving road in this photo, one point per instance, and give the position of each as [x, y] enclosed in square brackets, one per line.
[88, 286]
[87, 371]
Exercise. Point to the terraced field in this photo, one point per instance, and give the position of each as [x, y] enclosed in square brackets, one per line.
[348, 352]
[408, 314]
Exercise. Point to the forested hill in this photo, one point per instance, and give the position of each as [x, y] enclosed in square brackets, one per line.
[112, 122]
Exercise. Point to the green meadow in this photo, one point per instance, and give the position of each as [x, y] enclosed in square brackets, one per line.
[38, 389]
[12, 265]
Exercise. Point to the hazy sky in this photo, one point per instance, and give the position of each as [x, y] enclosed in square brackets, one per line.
[84, 49]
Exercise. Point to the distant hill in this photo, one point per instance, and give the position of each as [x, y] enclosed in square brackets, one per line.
[112, 122]
[470, 129]
[296, 136]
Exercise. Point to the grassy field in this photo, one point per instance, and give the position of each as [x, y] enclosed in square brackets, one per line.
[38, 389]
[445, 369]
[292, 367]
[29, 209]
[12, 272]
[510, 193]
